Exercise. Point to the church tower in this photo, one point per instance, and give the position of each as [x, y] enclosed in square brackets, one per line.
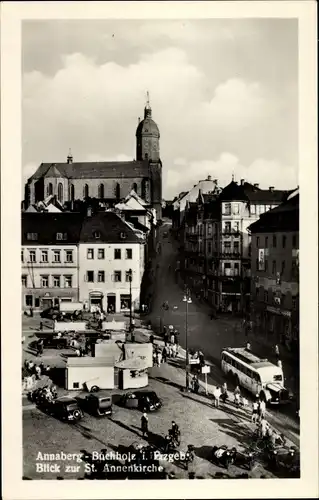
[147, 136]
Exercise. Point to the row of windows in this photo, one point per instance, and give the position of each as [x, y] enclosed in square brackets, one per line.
[86, 191]
[264, 296]
[117, 253]
[227, 247]
[276, 240]
[47, 281]
[231, 228]
[276, 267]
[243, 369]
[64, 236]
[99, 276]
[233, 208]
[44, 256]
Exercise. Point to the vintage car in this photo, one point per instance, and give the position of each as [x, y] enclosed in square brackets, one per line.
[64, 408]
[50, 313]
[53, 340]
[144, 401]
[98, 404]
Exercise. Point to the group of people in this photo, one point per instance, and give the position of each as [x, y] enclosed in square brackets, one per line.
[37, 370]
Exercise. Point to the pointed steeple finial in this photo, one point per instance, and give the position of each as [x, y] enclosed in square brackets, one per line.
[233, 177]
[148, 109]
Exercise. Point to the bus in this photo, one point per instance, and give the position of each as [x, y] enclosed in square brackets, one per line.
[256, 375]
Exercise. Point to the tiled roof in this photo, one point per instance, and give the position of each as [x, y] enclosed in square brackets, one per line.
[267, 196]
[93, 170]
[111, 227]
[285, 217]
[76, 227]
[47, 225]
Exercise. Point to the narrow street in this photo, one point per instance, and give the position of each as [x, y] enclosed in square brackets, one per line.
[210, 336]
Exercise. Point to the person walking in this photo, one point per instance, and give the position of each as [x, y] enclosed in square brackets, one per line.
[277, 353]
[264, 428]
[217, 394]
[254, 415]
[236, 392]
[41, 326]
[37, 372]
[174, 350]
[152, 339]
[164, 354]
[40, 347]
[237, 399]
[262, 410]
[144, 425]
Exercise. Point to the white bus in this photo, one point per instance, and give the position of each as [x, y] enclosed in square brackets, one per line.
[257, 375]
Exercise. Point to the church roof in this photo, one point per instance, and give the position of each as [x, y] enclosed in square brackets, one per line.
[93, 170]
[148, 127]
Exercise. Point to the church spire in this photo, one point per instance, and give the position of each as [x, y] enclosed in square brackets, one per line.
[70, 157]
[147, 109]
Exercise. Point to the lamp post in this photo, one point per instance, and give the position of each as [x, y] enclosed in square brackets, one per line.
[130, 276]
[187, 299]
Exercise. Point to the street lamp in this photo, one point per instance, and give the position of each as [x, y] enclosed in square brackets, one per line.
[130, 276]
[187, 299]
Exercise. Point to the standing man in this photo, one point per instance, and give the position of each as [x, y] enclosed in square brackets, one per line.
[40, 348]
[217, 394]
[144, 425]
[262, 409]
[277, 352]
[254, 415]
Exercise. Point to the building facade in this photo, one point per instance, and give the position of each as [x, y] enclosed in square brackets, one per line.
[71, 257]
[216, 244]
[275, 273]
[72, 180]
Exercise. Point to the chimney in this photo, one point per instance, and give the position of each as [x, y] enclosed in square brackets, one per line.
[271, 188]
[242, 181]
[89, 212]
[209, 177]
[257, 186]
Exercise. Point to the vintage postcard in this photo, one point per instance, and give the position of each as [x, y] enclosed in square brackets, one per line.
[159, 242]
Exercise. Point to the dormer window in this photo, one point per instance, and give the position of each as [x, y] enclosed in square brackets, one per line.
[123, 236]
[97, 235]
[61, 236]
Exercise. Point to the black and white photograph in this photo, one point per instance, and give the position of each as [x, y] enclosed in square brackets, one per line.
[159, 279]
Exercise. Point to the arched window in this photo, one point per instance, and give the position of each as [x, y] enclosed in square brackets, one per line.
[60, 192]
[101, 191]
[71, 195]
[49, 189]
[117, 191]
[86, 191]
[134, 187]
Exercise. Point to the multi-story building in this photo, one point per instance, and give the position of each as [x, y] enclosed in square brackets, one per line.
[75, 257]
[110, 255]
[275, 272]
[217, 242]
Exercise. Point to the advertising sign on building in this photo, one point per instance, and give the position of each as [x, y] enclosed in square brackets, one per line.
[261, 259]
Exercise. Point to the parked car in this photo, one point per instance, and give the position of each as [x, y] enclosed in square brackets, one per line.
[63, 408]
[98, 404]
[51, 340]
[144, 401]
[50, 313]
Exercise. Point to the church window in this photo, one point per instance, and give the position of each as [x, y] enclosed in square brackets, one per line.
[60, 192]
[86, 191]
[71, 192]
[50, 189]
[134, 187]
[117, 191]
[101, 191]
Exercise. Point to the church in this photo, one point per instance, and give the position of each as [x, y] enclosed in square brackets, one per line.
[73, 180]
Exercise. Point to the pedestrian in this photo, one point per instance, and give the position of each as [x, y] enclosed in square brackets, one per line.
[164, 354]
[31, 312]
[152, 339]
[224, 388]
[244, 402]
[263, 428]
[236, 391]
[172, 338]
[40, 347]
[37, 372]
[144, 425]
[279, 364]
[262, 409]
[248, 348]
[201, 358]
[217, 394]
[277, 351]
[159, 358]
[174, 350]
[254, 415]
[166, 338]
[41, 326]
[237, 399]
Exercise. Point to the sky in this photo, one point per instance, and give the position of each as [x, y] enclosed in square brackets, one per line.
[224, 94]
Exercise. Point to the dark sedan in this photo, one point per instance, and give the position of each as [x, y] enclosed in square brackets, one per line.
[145, 401]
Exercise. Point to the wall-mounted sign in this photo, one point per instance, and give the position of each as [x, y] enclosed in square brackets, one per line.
[261, 259]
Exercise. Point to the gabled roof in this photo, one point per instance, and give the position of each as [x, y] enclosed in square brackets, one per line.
[233, 192]
[133, 194]
[93, 170]
[250, 193]
[110, 226]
